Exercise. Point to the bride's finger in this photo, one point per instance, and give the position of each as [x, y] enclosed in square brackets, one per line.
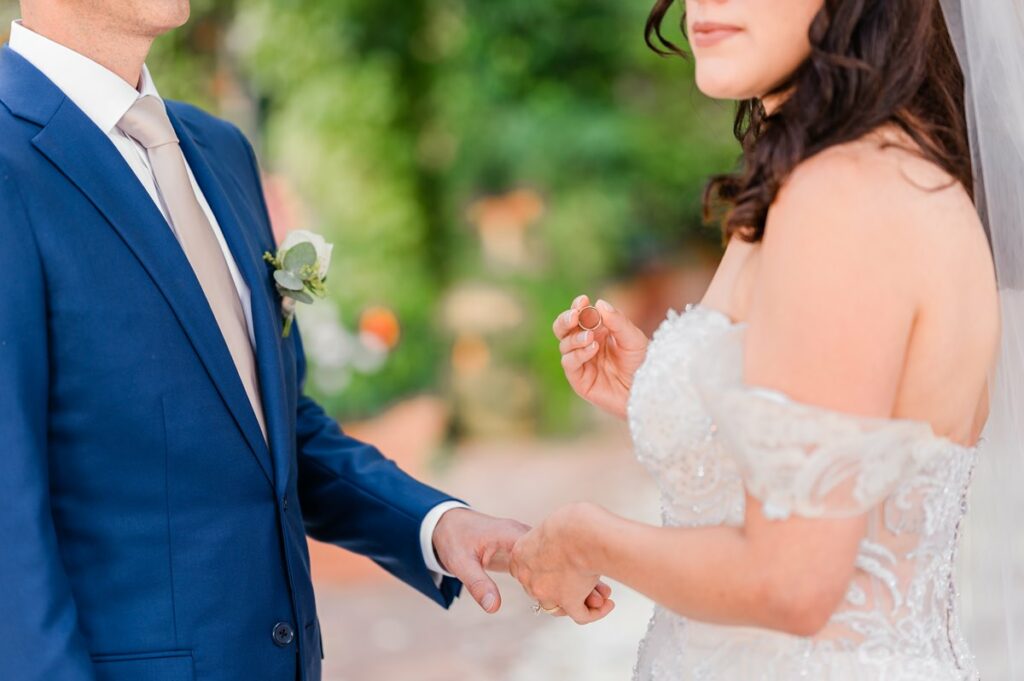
[587, 615]
[568, 321]
[572, 361]
[575, 341]
[579, 613]
[625, 332]
[602, 612]
[581, 339]
[599, 595]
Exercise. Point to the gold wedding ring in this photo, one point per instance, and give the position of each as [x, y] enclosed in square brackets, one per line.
[590, 318]
[538, 608]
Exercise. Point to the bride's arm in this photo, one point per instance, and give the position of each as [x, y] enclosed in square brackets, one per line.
[832, 309]
[779, 575]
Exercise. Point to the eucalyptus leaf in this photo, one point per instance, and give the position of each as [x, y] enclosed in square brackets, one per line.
[288, 281]
[300, 296]
[299, 256]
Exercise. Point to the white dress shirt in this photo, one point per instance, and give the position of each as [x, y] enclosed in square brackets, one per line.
[104, 97]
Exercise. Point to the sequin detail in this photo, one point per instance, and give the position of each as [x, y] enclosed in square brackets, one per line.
[707, 439]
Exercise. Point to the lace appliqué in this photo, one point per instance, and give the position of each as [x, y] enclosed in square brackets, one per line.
[708, 439]
[699, 486]
[801, 459]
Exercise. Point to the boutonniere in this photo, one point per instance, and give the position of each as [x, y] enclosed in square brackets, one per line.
[300, 271]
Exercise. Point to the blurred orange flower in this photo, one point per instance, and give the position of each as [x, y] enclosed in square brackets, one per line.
[382, 324]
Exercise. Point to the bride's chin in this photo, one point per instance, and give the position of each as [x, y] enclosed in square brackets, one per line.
[719, 81]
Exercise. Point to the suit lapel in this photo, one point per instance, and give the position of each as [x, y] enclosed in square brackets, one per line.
[266, 323]
[86, 156]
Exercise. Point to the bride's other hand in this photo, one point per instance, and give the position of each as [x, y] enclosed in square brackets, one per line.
[546, 563]
[600, 364]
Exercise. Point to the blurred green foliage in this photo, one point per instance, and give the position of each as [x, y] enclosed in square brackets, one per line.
[392, 119]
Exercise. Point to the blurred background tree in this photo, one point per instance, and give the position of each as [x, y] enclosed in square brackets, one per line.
[477, 164]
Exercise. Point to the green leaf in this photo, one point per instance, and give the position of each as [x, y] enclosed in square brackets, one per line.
[299, 256]
[300, 296]
[288, 281]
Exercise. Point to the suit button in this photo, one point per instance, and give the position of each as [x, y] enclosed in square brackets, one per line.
[283, 634]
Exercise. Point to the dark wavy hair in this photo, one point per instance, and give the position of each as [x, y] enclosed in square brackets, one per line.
[872, 62]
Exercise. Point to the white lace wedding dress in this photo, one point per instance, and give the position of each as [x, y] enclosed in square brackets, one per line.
[706, 438]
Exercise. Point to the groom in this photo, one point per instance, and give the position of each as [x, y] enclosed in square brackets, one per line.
[160, 466]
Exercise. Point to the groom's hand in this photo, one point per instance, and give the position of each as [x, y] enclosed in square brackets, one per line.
[469, 543]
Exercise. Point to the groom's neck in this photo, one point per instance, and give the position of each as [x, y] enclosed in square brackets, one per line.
[98, 38]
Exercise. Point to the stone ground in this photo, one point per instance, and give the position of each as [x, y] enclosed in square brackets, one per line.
[378, 629]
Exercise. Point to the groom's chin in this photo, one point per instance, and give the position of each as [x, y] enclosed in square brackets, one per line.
[157, 17]
[174, 13]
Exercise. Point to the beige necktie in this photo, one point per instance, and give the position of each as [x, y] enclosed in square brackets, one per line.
[147, 123]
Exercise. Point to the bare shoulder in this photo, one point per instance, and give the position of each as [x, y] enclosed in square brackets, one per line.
[881, 178]
[875, 204]
[863, 241]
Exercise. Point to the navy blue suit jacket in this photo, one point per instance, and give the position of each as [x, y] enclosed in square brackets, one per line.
[147, 530]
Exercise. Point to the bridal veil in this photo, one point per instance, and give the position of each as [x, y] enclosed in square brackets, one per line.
[989, 38]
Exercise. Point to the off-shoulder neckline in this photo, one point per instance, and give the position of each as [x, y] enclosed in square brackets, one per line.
[715, 312]
[942, 440]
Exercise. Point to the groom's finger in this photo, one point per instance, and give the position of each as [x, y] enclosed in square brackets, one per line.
[480, 586]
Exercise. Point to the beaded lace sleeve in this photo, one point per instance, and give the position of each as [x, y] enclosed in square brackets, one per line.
[800, 459]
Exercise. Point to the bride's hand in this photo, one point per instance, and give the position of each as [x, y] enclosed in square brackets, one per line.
[547, 562]
[600, 364]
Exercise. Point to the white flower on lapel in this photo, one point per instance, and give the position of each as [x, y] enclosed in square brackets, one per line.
[323, 249]
[300, 271]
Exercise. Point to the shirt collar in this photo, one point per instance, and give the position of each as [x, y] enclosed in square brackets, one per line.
[101, 94]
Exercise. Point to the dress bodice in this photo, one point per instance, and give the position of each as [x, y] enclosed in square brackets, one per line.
[709, 440]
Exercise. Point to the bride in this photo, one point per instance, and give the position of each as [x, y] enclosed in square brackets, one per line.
[814, 421]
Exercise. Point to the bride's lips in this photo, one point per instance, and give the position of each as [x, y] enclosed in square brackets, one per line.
[708, 34]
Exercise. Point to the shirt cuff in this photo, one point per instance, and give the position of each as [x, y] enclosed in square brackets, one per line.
[427, 528]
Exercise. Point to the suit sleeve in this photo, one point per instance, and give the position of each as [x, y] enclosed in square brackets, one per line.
[351, 495]
[40, 639]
